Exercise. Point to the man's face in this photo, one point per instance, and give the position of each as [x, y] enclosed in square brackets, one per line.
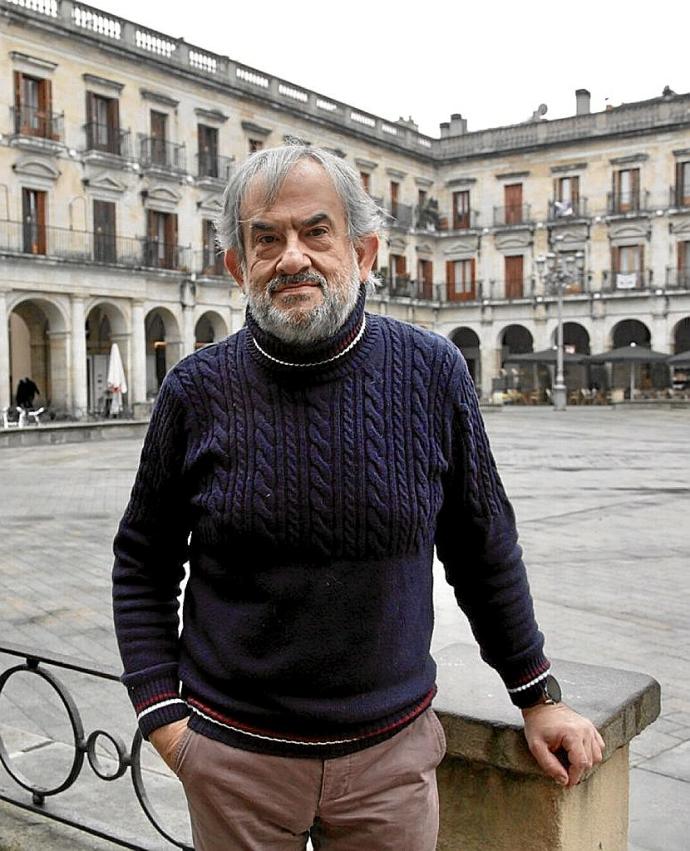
[301, 272]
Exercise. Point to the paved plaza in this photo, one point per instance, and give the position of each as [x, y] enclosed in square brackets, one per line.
[602, 498]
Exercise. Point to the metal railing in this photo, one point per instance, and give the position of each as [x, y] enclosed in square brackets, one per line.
[89, 747]
[401, 215]
[31, 121]
[209, 262]
[77, 246]
[106, 138]
[679, 196]
[157, 153]
[616, 281]
[562, 210]
[513, 214]
[402, 286]
[214, 166]
[677, 278]
[463, 220]
[618, 203]
[513, 290]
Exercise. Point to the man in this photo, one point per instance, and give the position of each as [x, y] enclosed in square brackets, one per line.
[316, 458]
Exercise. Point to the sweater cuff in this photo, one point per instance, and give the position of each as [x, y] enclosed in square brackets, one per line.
[525, 687]
[157, 702]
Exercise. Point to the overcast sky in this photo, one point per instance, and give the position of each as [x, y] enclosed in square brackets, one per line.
[492, 61]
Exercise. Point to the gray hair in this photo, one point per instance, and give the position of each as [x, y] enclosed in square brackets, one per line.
[272, 166]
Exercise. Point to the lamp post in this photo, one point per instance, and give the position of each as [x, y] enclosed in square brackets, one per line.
[556, 270]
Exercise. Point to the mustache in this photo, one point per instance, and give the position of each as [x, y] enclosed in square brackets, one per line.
[283, 281]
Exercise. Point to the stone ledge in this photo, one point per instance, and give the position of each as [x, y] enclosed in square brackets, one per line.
[482, 725]
[72, 433]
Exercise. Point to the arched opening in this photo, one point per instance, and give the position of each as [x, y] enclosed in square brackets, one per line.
[209, 329]
[681, 336]
[468, 343]
[38, 350]
[515, 379]
[645, 376]
[163, 347]
[104, 326]
[630, 331]
[575, 338]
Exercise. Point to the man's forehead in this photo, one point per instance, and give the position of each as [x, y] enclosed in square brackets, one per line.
[306, 185]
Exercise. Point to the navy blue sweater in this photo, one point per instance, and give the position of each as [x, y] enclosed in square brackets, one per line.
[308, 500]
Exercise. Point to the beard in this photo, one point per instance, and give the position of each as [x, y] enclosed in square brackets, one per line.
[297, 326]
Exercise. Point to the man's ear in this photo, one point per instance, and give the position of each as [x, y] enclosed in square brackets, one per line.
[366, 251]
[234, 266]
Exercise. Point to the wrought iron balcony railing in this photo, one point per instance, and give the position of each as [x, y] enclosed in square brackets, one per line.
[575, 208]
[679, 196]
[106, 138]
[214, 166]
[401, 215]
[513, 214]
[157, 153]
[677, 279]
[87, 247]
[618, 203]
[38, 123]
[209, 261]
[402, 286]
[616, 281]
[463, 221]
[510, 290]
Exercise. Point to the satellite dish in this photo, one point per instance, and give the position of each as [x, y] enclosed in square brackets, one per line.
[543, 109]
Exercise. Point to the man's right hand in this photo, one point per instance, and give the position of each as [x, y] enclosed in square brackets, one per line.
[165, 740]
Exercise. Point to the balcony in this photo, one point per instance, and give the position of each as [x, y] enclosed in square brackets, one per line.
[32, 123]
[510, 290]
[464, 221]
[560, 211]
[402, 286]
[213, 167]
[622, 282]
[677, 279]
[401, 215]
[106, 139]
[209, 263]
[87, 247]
[158, 155]
[679, 196]
[512, 215]
[627, 203]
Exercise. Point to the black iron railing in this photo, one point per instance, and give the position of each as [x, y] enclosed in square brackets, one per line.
[157, 153]
[85, 748]
[401, 215]
[513, 214]
[32, 237]
[677, 278]
[679, 195]
[618, 203]
[214, 166]
[209, 261]
[575, 208]
[31, 121]
[106, 138]
[617, 281]
[463, 220]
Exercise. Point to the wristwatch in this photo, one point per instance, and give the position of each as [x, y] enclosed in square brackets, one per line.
[550, 692]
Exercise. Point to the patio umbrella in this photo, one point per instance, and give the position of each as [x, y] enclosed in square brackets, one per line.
[116, 381]
[631, 354]
[681, 360]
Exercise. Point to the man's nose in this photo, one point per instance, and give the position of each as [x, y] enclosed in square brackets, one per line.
[293, 259]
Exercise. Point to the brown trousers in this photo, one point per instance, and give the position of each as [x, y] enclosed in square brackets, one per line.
[383, 798]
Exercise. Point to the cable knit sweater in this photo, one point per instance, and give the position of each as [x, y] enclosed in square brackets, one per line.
[307, 488]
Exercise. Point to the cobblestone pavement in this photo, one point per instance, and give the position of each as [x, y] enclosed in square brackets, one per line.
[602, 498]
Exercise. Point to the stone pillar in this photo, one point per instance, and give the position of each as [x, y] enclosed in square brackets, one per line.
[188, 335]
[5, 389]
[137, 375]
[492, 793]
[78, 352]
[490, 369]
[57, 367]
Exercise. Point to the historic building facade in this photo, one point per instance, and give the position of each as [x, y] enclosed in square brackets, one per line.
[115, 145]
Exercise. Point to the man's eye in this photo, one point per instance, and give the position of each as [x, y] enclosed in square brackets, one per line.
[317, 231]
[266, 239]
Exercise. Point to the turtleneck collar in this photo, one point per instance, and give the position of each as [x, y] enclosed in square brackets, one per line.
[314, 358]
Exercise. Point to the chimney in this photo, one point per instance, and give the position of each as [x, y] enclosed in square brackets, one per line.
[445, 129]
[582, 97]
[458, 124]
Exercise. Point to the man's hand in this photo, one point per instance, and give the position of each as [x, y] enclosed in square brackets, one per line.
[166, 739]
[550, 727]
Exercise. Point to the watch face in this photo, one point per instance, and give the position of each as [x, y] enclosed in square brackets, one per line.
[552, 689]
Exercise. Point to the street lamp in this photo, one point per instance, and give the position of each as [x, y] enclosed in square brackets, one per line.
[555, 270]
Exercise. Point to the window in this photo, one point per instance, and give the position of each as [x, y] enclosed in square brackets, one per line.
[683, 264]
[104, 233]
[566, 196]
[421, 198]
[212, 260]
[33, 107]
[425, 276]
[683, 184]
[34, 221]
[626, 190]
[366, 181]
[208, 151]
[513, 203]
[161, 243]
[460, 280]
[158, 152]
[514, 281]
[255, 145]
[395, 191]
[628, 265]
[461, 210]
[102, 123]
